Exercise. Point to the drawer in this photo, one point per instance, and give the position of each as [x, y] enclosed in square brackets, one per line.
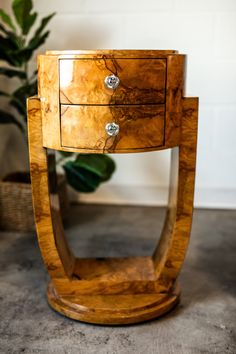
[84, 127]
[140, 81]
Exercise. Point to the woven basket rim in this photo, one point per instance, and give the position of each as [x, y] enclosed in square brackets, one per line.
[61, 178]
[15, 185]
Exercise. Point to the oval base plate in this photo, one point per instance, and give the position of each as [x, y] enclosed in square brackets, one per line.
[113, 309]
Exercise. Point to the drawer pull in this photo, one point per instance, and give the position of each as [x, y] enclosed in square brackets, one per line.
[112, 81]
[112, 129]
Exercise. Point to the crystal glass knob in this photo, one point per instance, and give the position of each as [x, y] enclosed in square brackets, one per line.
[112, 81]
[112, 129]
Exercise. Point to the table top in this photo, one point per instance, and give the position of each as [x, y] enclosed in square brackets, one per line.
[116, 53]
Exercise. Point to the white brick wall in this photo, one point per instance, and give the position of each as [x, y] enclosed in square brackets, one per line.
[203, 29]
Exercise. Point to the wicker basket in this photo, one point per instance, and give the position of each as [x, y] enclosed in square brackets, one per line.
[16, 209]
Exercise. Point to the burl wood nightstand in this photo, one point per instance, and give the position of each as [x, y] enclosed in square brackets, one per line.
[113, 101]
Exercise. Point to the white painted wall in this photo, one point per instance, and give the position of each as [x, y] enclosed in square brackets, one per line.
[203, 29]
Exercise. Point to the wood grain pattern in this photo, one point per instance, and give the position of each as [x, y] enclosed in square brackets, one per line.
[111, 53]
[112, 276]
[48, 92]
[174, 95]
[113, 310]
[142, 81]
[170, 253]
[141, 127]
[163, 81]
[55, 251]
[122, 290]
[126, 268]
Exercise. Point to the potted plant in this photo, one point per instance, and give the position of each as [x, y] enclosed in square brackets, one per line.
[84, 172]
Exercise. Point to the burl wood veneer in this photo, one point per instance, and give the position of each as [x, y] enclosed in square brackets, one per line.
[113, 102]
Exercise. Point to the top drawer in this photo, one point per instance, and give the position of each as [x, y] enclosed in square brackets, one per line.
[140, 81]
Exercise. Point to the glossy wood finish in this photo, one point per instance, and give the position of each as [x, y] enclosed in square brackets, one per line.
[174, 94]
[53, 246]
[120, 290]
[146, 77]
[142, 81]
[111, 53]
[113, 309]
[169, 255]
[141, 127]
[48, 86]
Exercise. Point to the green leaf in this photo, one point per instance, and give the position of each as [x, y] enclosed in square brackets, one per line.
[12, 73]
[81, 179]
[110, 166]
[7, 118]
[7, 57]
[38, 41]
[65, 154]
[30, 22]
[12, 37]
[22, 11]
[7, 20]
[3, 29]
[20, 95]
[101, 165]
[43, 24]
[34, 43]
[6, 51]
[19, 105]
[2, 93]
[87, 171]
[9, 49]
[9, 40]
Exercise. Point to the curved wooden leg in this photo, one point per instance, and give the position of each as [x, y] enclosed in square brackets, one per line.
[170, 253]
[55, 251]
[115, 290]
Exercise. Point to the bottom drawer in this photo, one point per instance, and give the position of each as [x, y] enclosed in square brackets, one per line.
[136, 127]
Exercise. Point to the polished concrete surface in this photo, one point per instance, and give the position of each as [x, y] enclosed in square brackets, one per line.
[204, 322]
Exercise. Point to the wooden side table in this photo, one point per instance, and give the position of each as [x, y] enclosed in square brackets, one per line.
[113, 101]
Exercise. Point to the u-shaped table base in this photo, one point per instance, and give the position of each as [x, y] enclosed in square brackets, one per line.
[115, 290]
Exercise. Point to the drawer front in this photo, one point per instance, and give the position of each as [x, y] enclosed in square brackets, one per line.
[88, 127]
[141, 81]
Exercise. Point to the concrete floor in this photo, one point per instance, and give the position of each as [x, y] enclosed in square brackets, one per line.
[204, 322]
